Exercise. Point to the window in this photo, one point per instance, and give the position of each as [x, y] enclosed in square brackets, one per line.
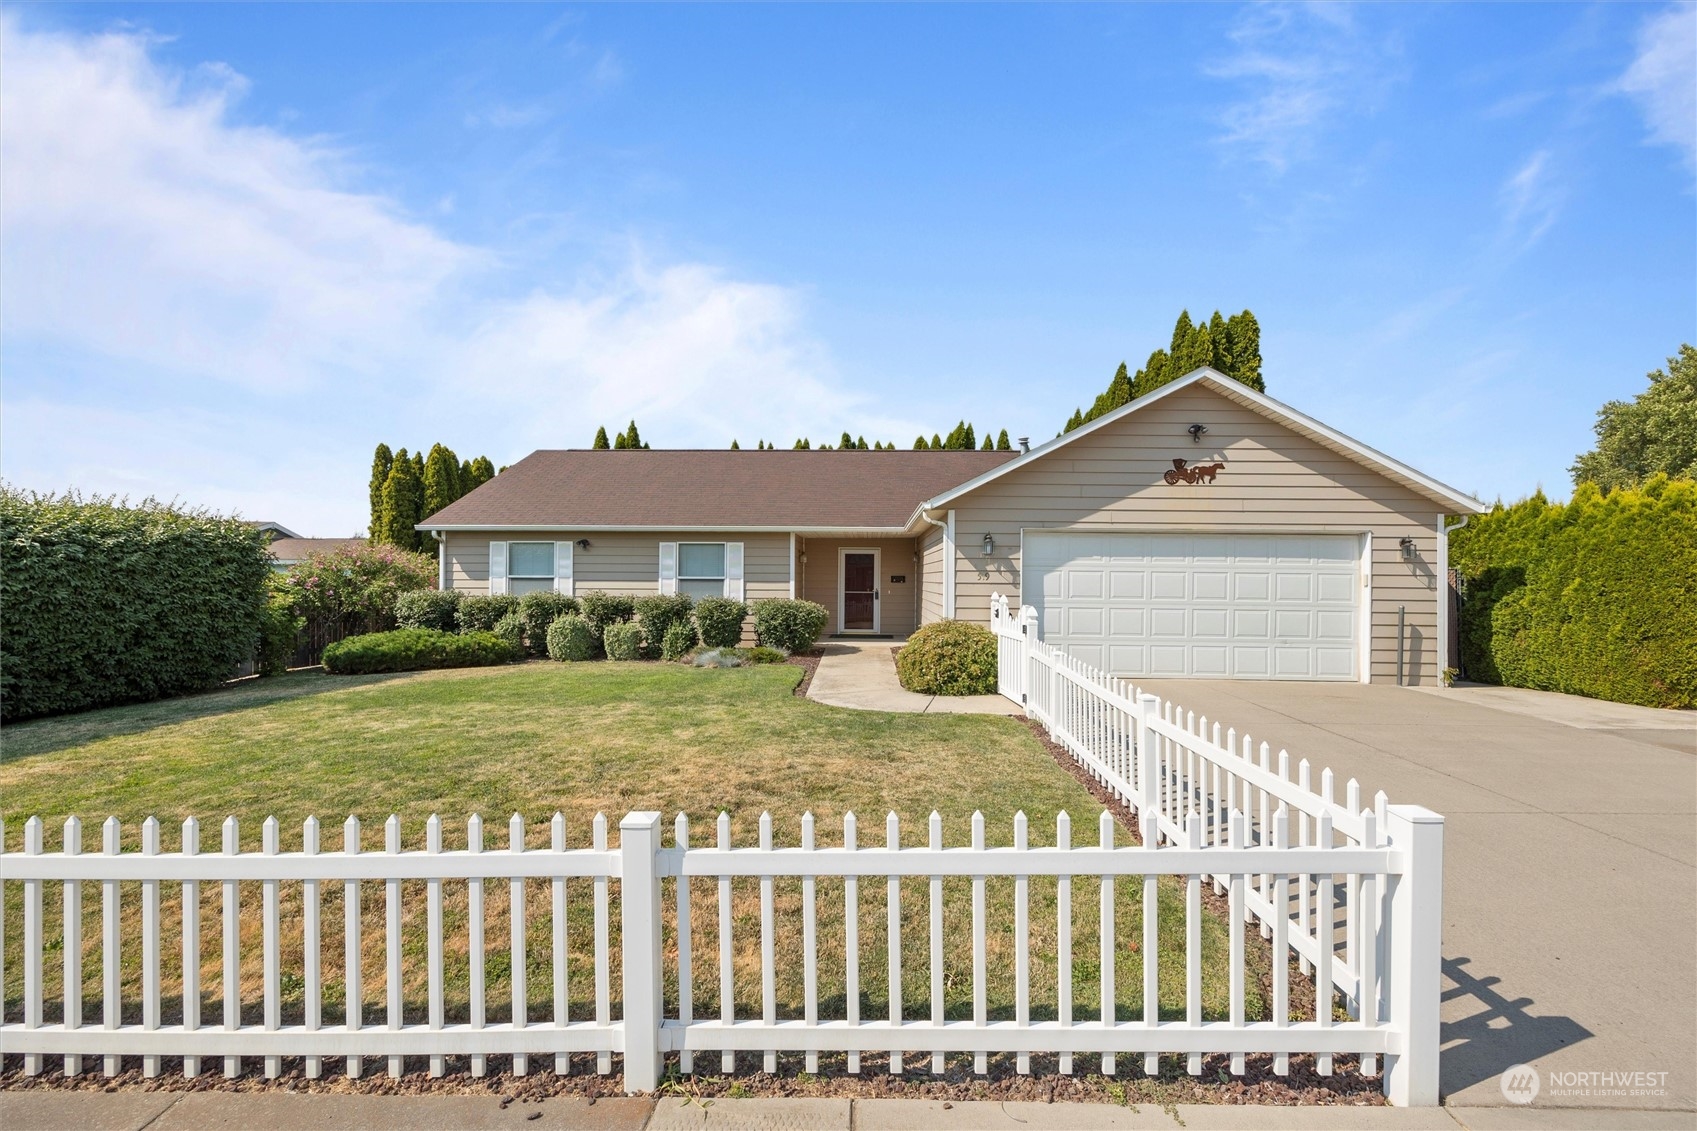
[530, 568]
[701, 569]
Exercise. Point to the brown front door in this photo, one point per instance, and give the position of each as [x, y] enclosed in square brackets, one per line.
[860, 591]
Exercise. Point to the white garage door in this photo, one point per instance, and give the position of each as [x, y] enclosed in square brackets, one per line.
[1231, 606]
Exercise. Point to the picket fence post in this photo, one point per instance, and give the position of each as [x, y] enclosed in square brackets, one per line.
[639, 900]
[1148, 706]
[1027, 637]
[1415, 934]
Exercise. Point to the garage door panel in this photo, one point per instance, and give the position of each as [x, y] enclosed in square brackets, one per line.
[1246, 606]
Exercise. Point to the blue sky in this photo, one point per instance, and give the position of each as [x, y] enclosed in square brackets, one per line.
[241, 245]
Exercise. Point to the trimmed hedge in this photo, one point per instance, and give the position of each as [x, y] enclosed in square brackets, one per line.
[429, 608]
[415, 649]
[479, 613]
[1597, 597]
[949, 657]
[569, 638]
[539, 611]
[279, 632]
[789, 625]
[679, 641]
[603, 609]
[110, 603]
[720, 621]
[657, 615]
[623, 640]
[511, 629]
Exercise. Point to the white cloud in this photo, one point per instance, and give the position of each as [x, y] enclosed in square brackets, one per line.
[1301, 67]
[1531, 201]
[1663, 78]
[236, 307]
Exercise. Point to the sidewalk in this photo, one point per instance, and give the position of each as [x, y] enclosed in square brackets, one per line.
[862, 675]
[43, 1109]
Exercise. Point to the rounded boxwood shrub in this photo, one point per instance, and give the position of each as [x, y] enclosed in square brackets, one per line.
[569, 638]
[538, 611]
[603, 609]
[429, 608]
[679, 641]
[511, 629]
[950, 657]
[720, 621]
[623, 640]
[415, 649]
[788, 625]
[478, 613]
[658, 613]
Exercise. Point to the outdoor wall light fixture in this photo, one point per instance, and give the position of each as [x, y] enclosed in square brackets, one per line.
[989, 545]
[1196, 432]
[583, 543]
[1407, 545]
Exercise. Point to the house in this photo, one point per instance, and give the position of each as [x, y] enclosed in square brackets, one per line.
[293, 549]
[1203, 530]
[273, 530]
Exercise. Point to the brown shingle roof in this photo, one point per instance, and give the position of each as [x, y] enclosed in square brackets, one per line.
[296, 549]
[846, 490]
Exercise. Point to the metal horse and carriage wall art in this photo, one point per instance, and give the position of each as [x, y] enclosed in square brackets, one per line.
[1184, 472]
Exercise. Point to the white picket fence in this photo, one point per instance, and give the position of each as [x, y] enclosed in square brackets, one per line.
[1378, 948]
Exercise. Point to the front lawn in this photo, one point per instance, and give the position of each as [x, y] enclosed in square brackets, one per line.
[583, 738]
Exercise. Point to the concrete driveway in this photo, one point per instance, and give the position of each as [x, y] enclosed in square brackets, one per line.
[1570, 861]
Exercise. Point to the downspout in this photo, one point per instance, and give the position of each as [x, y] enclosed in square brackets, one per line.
[441, 559]
[1445, 660]
[947, 526]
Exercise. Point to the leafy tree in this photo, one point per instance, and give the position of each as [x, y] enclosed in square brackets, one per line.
[600, 444]
[1002, 444]
[1655, 431]
[381, 462]
[441, 479]
[403, 505]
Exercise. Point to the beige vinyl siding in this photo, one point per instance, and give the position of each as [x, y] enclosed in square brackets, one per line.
[898, 603]
[931, 577]
[624, 563]
[1274, 480]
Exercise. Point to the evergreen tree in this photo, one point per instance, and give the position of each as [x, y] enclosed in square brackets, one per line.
[441, 479]
[1075, 420]
[847, 442]
[735, 447]
[620, 442]
[633, 438]
[860, 443]
[803, 445]
[936, 442]
[920, 444]
[1243, 333]
[989, 444]
[467, 480]
[600, 444]
[482, 471]
[1002, 444]
[403, 504]
[381, 462]
[1221, 341]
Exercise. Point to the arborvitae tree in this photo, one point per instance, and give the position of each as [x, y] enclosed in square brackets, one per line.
[936, 442]
[381, 462]
[1075, 420]
[989, 444]
[735, 447]
[804, 445]
[600, 444]
[1002, 444]
[621, 442]
[860, 443]
[1221, 341]
[1243, 333]
[441, 479]
[920, 444]
[467, 480]
[403, 505]
[1230, 345]
[482, 471]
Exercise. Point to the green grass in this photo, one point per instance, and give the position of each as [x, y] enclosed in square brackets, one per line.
[582, 739]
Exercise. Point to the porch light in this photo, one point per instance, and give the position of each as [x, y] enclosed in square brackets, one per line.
[1407, 545]
[583, 543]
[989, 545]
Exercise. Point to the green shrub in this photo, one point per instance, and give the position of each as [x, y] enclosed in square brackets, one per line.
[657, 614]
[603, 609]
[1597, 597]
[788, 625]
[110, 603]
[279, 631]
[720, 621]
[478, 613]
[569, 638]
[679, 641]
[358, 587]
[429, 608]
[538, 611]
[623, 640]
[949, 657]
[760, 654]
[511, 629]
[414, 649]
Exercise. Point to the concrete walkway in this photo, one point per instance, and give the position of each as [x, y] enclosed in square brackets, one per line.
[862, 675]
[1570, 867]
[50, 1110]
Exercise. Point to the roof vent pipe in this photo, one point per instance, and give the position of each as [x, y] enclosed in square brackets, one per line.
[1025, 443]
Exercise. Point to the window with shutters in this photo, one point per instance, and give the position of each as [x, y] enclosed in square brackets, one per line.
[530, 568]
[701, 569]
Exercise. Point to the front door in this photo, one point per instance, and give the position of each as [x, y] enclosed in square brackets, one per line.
[860, 591]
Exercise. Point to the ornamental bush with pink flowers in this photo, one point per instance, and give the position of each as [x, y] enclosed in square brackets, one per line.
[355, 588]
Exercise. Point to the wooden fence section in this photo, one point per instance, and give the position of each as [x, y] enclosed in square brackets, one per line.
[1377, 948]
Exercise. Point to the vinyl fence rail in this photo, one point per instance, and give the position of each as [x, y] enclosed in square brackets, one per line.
[1378, 948]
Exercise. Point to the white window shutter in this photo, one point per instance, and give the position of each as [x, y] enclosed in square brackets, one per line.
[497, 568]
[733, 570]
[563, 568]
[668, 568]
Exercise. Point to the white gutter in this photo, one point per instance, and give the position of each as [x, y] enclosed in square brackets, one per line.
[1445, 660]
[441, 558]
[947, 526]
